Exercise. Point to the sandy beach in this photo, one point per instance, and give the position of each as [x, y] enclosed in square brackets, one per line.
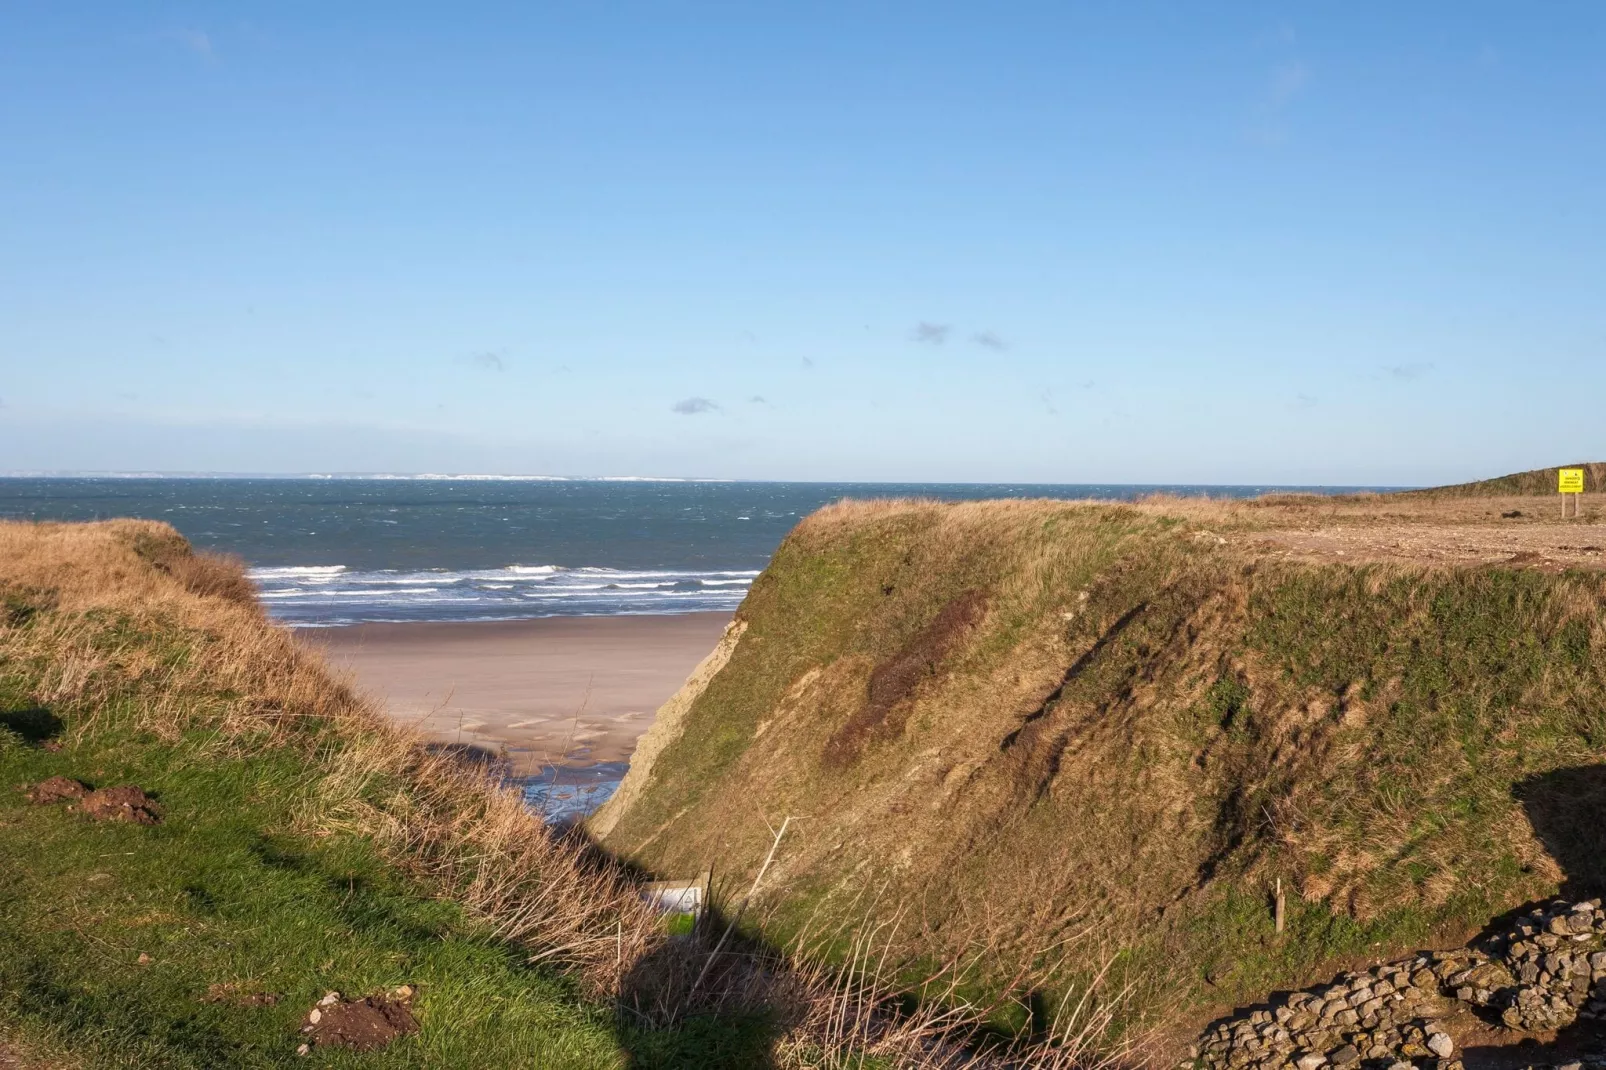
[579, 689]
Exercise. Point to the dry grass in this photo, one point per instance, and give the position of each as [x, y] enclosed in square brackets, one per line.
[120, 619]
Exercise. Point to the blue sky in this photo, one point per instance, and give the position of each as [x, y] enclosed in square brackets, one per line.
[1063, 242]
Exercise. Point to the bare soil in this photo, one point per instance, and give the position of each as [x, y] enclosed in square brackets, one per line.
[56, 789]
[898, 677]
[1551, 547]
[366, 1024]
[122, 803]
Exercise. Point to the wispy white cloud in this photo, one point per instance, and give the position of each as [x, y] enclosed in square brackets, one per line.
[1288, 80]
[1282, 35]
[693, 406]
[488, 360]
[1283, 84]
[197, 41]
[1408, 372]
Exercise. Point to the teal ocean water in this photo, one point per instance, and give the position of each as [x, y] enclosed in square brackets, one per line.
[333, 551]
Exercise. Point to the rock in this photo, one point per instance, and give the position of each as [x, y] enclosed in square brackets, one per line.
[1441, 1045]
[1346, 1056]
[1309, 1061]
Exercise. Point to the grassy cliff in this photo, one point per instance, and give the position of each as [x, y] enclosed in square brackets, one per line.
[301, 846]
[1536, 481]
[1043, 738]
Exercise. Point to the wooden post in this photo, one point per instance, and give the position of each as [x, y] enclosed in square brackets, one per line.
[1279, 904]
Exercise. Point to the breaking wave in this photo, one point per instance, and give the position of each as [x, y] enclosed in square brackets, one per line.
[312, 596]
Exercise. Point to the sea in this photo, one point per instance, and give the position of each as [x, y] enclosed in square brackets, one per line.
[330, 551]
[327, 551]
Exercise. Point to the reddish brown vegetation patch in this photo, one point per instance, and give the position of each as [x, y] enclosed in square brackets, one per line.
[123, 803]
[896, 679]
[366, 1024]
[231, 993]
[56, 789]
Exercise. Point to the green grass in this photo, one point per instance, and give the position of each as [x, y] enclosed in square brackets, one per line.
[226, 892]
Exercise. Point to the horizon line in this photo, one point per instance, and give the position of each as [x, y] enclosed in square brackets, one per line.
[538, 478]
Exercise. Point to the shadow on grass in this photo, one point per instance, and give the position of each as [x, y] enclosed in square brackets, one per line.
[736, 1039]
[1567, 809]
[35, 725]
[713, 1041]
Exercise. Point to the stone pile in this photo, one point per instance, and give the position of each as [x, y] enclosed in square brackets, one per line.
[1381, 1017]
[1543, 972]
[1558, 966]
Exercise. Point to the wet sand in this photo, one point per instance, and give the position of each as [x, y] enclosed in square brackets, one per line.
[554, 690]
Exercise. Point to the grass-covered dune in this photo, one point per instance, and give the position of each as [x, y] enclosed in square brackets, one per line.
[1537, 481]
[1043, 738]
[303, 847]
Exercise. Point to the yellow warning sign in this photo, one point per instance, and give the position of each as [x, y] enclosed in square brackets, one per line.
[1571, 481]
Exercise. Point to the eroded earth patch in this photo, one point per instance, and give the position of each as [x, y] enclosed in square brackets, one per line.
[365, 1024]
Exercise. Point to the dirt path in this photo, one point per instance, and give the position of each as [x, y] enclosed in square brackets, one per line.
[1549, 546]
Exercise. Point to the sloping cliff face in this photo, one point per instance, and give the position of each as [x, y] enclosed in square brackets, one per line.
[1539, 481]
[1064, 732]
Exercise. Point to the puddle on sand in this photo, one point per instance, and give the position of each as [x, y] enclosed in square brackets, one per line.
[564, 794]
